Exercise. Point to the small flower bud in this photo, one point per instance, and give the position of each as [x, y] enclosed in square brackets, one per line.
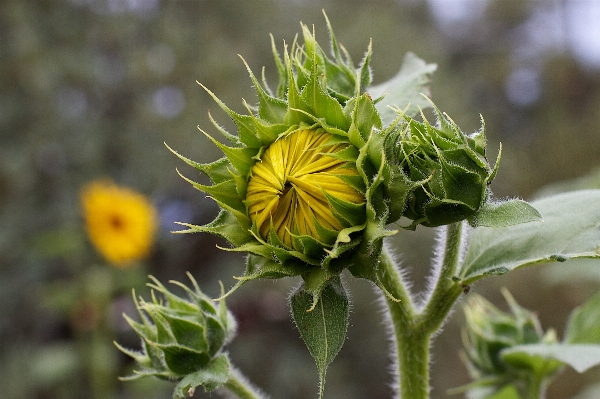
[444, 171]
[179, 336]
[489, 331]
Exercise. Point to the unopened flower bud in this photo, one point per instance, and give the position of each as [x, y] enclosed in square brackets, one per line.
[300, 195]
[444, 171]
[180, 336]
[490, 331]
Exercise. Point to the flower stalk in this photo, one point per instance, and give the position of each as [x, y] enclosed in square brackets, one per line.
[447, 289]
[413, 329]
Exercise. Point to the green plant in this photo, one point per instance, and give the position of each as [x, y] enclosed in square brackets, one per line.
[319, 173]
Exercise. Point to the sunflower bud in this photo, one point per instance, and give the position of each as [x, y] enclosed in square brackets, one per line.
[490, 331]
[182, 337]
[443, 171]
[302, 187]
[305, 186]
[301, 193]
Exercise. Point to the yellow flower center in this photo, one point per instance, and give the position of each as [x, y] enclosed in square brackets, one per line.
[287, 186]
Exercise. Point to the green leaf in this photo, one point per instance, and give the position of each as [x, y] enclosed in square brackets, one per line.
[297, 107]
[268, 133]
[211, 377]
[240, 157]
[506, 213]
[405, 89]
[309, 245]
[570, 230]
[244, 123]
[225, 194]
[354, 214]
[365, 73]
[365, 259]
[580, 357]
[261, 267]
[188, 333]
[216, 334]
[323, 328]
[340, 73]
[583, 326]
[365, 116]
[270, 108]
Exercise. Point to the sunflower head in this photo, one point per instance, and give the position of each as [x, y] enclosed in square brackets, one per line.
[120, 222]
[301, 186]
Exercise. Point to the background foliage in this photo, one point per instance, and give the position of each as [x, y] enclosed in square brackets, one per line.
[92, 88]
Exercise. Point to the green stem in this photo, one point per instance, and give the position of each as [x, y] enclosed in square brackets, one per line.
[413, 330]
[101, 363]
[391, 279]
[413, 363]
[239, 385]
[412, 346]
[446, 291]
[536, 388]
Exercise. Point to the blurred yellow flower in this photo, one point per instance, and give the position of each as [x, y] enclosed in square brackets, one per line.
[120, 222]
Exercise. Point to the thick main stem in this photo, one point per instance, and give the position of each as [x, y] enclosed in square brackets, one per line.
[412, 347]
[413, 330]
[413, 363]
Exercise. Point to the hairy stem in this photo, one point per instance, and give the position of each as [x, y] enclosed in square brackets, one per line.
[238, 385]
[412, 347]
[412, 330]
[446, 290]
[391, 279]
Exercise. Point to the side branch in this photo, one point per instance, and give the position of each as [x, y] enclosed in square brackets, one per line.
[446, 290]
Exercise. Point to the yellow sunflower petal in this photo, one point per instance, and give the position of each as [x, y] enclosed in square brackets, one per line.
[287, 186]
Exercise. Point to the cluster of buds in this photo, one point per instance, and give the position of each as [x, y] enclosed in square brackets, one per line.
[314, 175]
[490, 331]
[182, 339]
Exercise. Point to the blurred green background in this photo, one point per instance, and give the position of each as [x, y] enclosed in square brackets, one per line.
[92, 88]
